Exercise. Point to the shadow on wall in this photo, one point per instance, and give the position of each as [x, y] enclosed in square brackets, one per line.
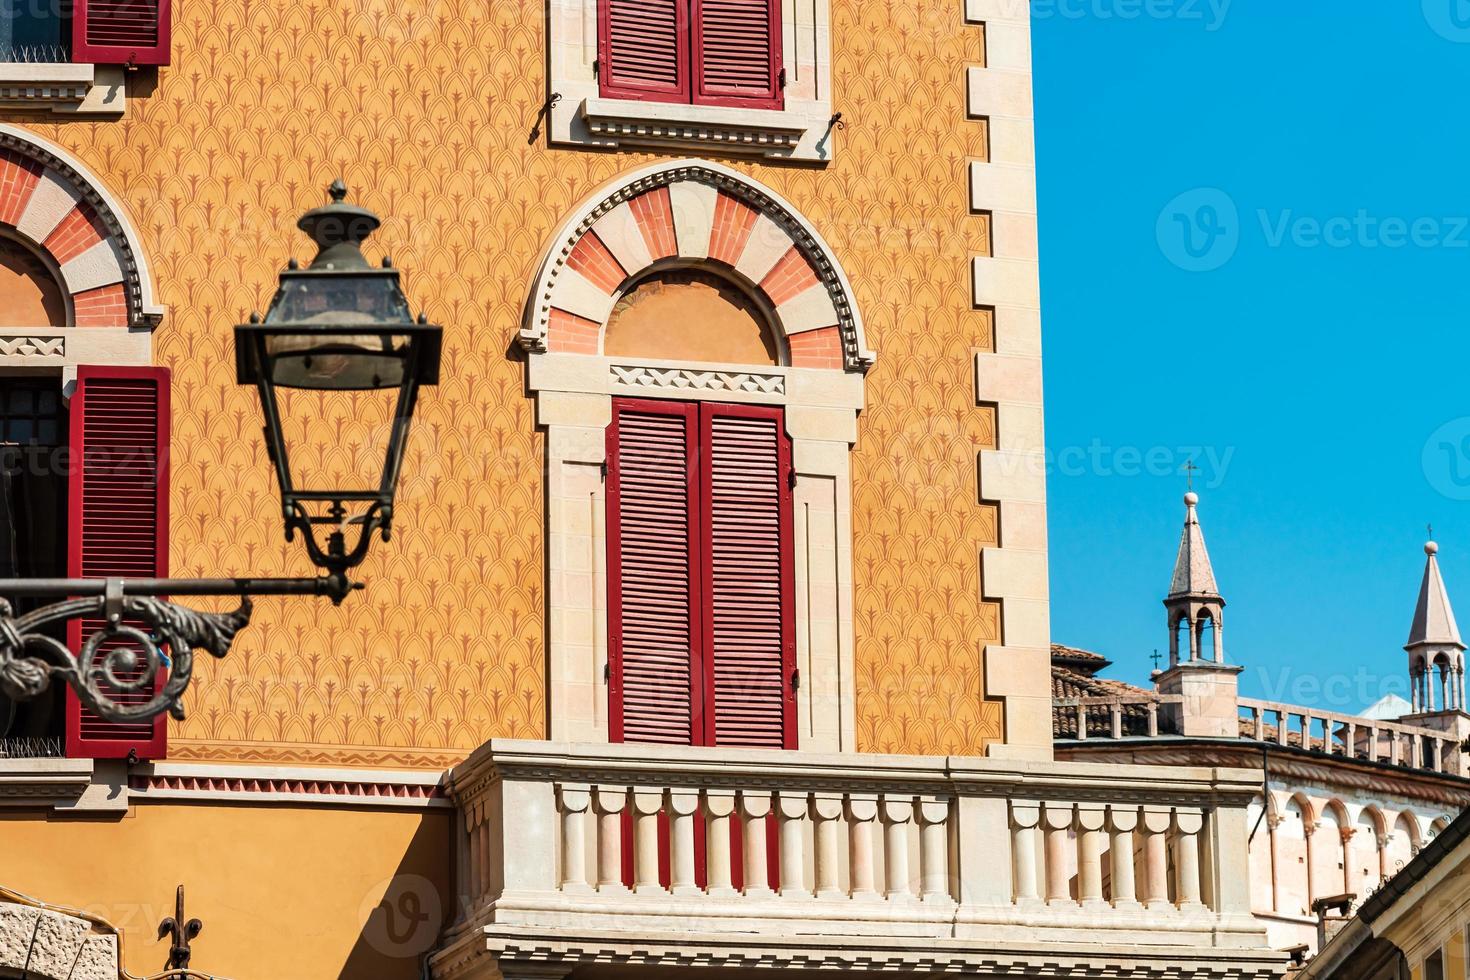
[404, 926]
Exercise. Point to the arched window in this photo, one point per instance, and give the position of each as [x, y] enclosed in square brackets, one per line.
[1291, 859]
[697, 360]
[77, 386]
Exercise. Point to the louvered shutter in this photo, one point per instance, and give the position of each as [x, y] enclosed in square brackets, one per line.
[652, 574]
[737, 53]
[749, 630]
[644, 49]
[118, 526]
[120, 32]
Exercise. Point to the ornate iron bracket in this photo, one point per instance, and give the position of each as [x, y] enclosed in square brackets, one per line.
[142, 634]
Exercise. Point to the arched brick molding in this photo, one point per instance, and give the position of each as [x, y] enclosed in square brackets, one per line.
[695, 212]
[52, 203]
[40, 944]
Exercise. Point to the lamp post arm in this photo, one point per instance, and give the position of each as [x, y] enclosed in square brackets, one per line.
[143, 637]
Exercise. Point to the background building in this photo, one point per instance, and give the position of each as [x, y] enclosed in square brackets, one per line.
[1348, 799]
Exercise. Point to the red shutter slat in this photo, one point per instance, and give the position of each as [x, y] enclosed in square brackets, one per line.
[121, 32]
[118, 524]
[644, 49]
[737, 53]
[651, 540]
[749, 632]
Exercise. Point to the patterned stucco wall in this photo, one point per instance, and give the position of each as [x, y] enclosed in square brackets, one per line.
[427, 107]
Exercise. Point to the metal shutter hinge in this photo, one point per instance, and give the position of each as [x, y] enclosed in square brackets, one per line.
[597, 68]
[796, 680]
[781, 78]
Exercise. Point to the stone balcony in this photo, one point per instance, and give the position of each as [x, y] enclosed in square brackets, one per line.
[616, 860]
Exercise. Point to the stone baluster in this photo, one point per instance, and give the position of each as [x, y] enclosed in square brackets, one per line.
[648, 807]
[1116, 710]
[1122, 821]
[862, 811]
[1416, 752]
[1258, 722]
[1395, 747]
[1153, 718]
[683, 812]
[898, 813]
[1283, 721]
[827, 810]
[575, 802]
[755, 807]
[1057, 821]
[1156, 822]
[1025, 818]
[477, 860]
[611, 801]
[934, 850]
[1372, 743]
[1187, 826]
[720, 805]
[792, 809]
[1091, 818]
[1081, 721]
[466, 886]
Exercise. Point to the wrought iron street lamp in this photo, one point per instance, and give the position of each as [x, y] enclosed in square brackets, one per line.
[336, 325]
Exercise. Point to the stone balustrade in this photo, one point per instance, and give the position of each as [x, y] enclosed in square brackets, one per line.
[583, 841]
[1349, 735]
[1123, 715]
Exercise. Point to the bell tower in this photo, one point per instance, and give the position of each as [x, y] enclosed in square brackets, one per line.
[1436, 654]
[1193, 597]
[1207, 684]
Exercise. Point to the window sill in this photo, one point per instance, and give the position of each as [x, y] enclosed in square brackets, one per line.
[64, 88]
[801, 131]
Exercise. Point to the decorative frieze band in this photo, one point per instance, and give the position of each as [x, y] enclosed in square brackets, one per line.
[650, 377]
[24, 346]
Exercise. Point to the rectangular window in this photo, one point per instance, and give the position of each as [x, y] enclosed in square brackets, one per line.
[103, 32]
[118, 498]
[701, 638]
[704, 52]
[33, 514]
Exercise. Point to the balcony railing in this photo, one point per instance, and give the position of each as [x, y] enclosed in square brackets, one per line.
[600, 853]
[1351, 736]
[1121, 716]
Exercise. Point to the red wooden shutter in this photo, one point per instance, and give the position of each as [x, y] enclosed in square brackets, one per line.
[643, 49]
[121, 32]
[749, 631]
[118, 523]
[737, 53]
[653, 574]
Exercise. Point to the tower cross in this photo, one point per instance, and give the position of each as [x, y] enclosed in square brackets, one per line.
[1189, 471]
[1156, 657]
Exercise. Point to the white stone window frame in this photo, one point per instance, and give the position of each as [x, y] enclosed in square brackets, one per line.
[804, 129]
[65, 88]
[65, 182]
[573, 395]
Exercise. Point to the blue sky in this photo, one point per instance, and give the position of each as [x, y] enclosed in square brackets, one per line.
[1310, 336]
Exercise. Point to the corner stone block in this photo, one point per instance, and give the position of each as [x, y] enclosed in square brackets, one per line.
[17, 928]
[98, 959]
[58, 941]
